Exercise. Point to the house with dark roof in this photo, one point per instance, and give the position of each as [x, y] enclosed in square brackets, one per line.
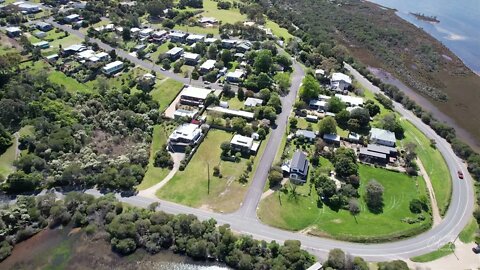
[379, 154]
[299, 168]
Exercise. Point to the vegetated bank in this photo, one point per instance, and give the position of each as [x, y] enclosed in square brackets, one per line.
[379, 38]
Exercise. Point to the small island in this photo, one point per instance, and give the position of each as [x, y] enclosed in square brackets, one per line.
[423, 17]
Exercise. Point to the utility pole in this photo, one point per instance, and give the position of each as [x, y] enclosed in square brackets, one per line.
[208, 178]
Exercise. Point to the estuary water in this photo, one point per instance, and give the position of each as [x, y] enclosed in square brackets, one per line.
[458, 29]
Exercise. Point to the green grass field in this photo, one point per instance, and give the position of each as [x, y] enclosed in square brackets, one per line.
[287, 213]
[7, 157]
[155, 174]
[225, 16]
[434, 255]
[197, 29]
[467, 235]
[161, 49]
[434, 164]
[278, 31]
[165, 92]
[189, 187]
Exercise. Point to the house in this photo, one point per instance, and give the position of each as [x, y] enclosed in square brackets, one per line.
[228, 43]
[194, 96]
[159, 36]
[239, 56]
[178, 114]
[194, 38]
[145, 33]
[354, 137]
[85, 54]
[253, 102]
[209, 41]
[147, 79]
[318, 105]
[13, 31]
[40, 34]
[175, 53]
[207, 66]
[307, 134]
[375, 153]
[316, 266]
[299, 167]
[112, 67]
[27, 8]
[332, 139]
[244, 46]
[139, 47]
[177, 37]
[231, 112]
[350, 100]
[235, 76]
[207, 21]
[71, 18]
[244, 144]
[73, 49]
[43, 26]
[382, 137]
[52, 58]
[311, 118]
[191, 58]
[134, 31]
[41, 45]
[340, 81]
[319, 73]
[183, 136]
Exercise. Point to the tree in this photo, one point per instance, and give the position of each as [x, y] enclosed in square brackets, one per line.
[163, 159]
[238, 124]
[126, 34]
[374, 196]
[224, 5]
[360, 264]
[226, 147]
[335, 105]
[283, 81]
[344, 167]
[226, 57]
[19, 181]
[362, 116]
[211, 99]
[342, 118]
[275, 177]
[372, 108]
[240, 94]
[5, 138]
[166, 63]
[336, 259]
[293, 123]
[393, 265]
[354, 208]
[327, 125]
[263, 61]
[310, 88]
[391, 123]
[275, 102]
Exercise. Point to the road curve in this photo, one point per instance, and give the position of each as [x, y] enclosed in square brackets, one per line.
[245, 220]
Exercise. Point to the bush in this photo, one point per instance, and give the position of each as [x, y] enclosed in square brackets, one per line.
[415, 206]
[163, 159]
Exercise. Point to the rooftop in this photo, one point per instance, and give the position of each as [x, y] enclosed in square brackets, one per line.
[195, 92]
[244, 114]
[331, 137]
[382, 134]
[299, 162]
[175, 51]
[252, 102]
[353, 101]
[186, 131]
[238, 73]
[242, 140]
[209, 64]
[337, 76]
[306, 133]
[191, 56]
[365, 151]
[113, 64]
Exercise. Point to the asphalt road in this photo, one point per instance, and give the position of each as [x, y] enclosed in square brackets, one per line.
[245, 220]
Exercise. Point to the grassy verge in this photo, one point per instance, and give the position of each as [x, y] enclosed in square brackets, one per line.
[467, 235]
[155, 174]
[278, 31]
[165, 92]
[434, 164]
[8, 157]
[434, 255]
[190, 187]
[284, 211]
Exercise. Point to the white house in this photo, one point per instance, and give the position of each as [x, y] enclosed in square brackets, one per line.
[207, 66]
[175, 53]
[253, 102]
[71, 18]
[340, 81]
[191, 58]
[235, 76]
[194, 38]
[194, 96]
[183, 136]
[13, 31]
[244, 144]
[382, 137]
[350, 100]
[112, 67]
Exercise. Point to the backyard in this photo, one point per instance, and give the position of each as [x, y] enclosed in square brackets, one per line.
[284, 211]
[189, 187]
[165, 92]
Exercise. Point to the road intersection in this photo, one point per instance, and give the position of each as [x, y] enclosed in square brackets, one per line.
[245, 219]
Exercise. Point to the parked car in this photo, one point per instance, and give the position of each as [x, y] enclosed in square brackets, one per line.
[476, 249]
[460, 174]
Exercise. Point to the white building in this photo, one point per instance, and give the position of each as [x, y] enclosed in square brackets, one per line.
[194, 38]
[382, 137]
[340, 81]
[350, 100]
[235, 76]
[207, 66]
[244, 144]
[175, 53]
[253, 102]
[191, 58]
[183, 136]
[194, 96]
[112, 67]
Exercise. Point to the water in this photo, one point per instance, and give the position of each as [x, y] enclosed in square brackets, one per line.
[458, 29]
[72, 249]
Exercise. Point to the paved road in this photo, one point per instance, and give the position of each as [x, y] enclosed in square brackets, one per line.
[245, 220]
[254, 194]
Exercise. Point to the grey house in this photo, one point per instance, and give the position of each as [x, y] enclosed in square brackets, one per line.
[299, 168]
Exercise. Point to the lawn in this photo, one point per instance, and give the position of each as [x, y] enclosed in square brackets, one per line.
[161, 49]
[434, 255]
[434, 164]
[64, 42]
[225, 16]
[189, 187]
[467, 235]
[234, 103]
[165, 92]
[285, 212]
[197, 29]
[7, 157]
[156, 174]
[278, 31]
